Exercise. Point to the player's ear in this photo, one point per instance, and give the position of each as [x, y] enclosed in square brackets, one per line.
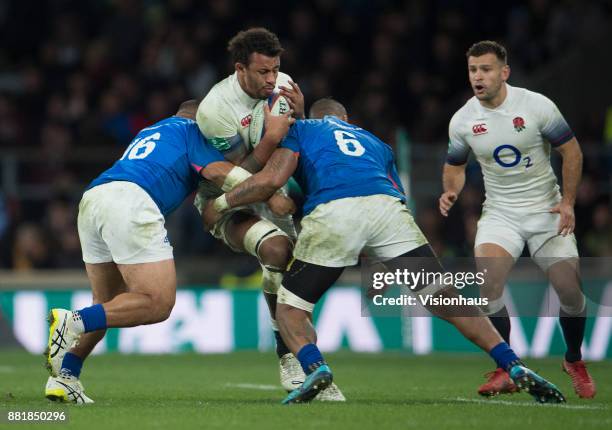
[239, 67]
[505, 72]
[345, 118]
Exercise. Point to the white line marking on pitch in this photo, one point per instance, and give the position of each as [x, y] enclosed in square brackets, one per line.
[521, 404]
[7, 369]
[254, 386]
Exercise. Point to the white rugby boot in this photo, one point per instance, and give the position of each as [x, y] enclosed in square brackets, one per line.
[66, 388]
[292, 376]
[291, 373]
[65, 328]
[331, 394]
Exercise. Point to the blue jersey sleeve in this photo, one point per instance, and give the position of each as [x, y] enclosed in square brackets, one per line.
[201, 153]
[291, 140]
[394, 176]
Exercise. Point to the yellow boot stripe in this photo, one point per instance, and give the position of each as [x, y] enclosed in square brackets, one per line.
[57, 393]
[54, 320]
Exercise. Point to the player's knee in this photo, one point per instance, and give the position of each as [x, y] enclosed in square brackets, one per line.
[160, 313]
[493, 306]
[286, 313]
[268, 243]
[573, 303]
[160, 307]
[99, 298]
[165, 311]
[165, 308]
[275, 252]
[272, 279]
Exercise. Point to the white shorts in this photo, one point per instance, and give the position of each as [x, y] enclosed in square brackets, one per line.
[511, 230]
[120, 222]
[335, 233]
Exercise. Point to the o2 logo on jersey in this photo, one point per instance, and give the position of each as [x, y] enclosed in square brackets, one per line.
[517, 156]
[349, 146]
[141, 148]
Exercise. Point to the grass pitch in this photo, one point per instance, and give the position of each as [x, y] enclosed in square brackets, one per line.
[240, 390]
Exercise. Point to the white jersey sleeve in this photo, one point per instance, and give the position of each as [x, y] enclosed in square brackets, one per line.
[458, 148]
[217, 122]
[552, 125]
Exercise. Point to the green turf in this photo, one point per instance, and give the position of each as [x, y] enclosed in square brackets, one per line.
[383, 391]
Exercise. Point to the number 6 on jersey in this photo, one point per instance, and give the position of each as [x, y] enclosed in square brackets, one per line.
[139, 149]
[349, 146]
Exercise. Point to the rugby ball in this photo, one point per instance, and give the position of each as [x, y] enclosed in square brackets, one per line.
[278, 106]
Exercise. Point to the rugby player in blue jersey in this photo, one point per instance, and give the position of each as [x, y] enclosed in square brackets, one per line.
[354, 203]
[126, 251]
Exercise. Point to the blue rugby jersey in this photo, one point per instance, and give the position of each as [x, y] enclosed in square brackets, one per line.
[165, 160]
[339, 160]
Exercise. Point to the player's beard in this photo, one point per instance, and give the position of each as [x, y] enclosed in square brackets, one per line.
[263, 93]
[490, 92]
[253, 88]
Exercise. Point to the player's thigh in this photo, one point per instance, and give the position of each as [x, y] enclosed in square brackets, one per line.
[418, 260]
[498, 244]
[423, 260]
[392, 229]
[105, 280]
[501, 229]
[495, 264]
[155, 279]
[546, 246]
[305, 283]
[333, 234]
[250, 233]
[236, 227]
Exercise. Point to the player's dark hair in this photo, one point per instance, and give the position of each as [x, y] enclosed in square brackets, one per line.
[260, 40]
[326, 106]
[488, 47]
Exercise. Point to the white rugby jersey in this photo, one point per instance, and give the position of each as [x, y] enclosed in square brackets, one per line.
[225, 114]
[512, 144]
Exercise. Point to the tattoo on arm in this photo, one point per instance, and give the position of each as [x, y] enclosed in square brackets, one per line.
[258, 157]
[261, 186]
[251, 163]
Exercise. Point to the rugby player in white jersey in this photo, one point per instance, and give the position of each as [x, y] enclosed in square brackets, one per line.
[510, 131]
[230, 118]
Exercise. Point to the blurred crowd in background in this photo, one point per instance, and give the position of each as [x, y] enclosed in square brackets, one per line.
[79, 79]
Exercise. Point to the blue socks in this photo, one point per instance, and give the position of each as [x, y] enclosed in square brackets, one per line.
[310, 358]
[93, 317]
[73, 363]
[504, 356]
